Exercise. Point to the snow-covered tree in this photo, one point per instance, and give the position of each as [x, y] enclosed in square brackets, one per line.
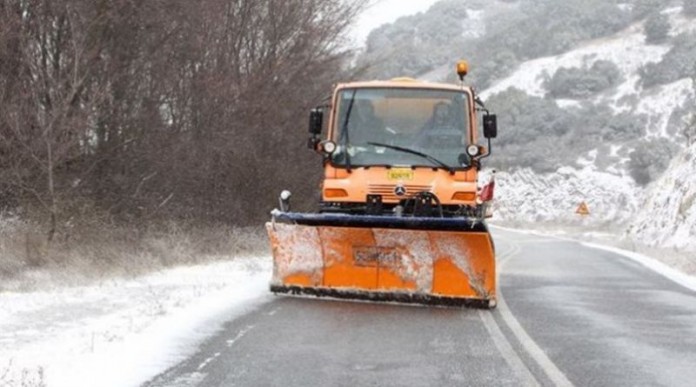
[643, 8]
[650, 159]
[689, 7]
[656, 28]
[582, 82]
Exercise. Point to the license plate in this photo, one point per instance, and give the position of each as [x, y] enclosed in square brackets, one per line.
[400, 174]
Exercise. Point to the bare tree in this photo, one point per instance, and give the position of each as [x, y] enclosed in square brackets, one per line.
[43, 113]
[162, 107]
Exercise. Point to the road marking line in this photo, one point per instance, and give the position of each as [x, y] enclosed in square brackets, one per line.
[672, 274]
[554, 374]
[207, 361]
[547, 240]
[229, 344]
[239, 335]
[513, 360]
[504, 257]
[511, 357]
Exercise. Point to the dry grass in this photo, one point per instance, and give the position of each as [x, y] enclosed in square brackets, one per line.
[96, 250]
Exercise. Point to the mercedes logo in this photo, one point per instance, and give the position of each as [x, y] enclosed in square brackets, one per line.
[400, 190]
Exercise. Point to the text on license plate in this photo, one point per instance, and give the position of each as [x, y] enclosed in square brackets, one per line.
[400, 174]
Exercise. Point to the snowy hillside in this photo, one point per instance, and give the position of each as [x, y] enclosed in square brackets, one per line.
[525, 196]
[627, 49]
[603, 111]
[663, 214]
[630, 52]
[668, 216]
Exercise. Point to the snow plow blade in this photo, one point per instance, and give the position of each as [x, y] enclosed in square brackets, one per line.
[434, 261]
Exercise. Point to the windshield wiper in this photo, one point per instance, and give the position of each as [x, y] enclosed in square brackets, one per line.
[415, 152]
[344, 130]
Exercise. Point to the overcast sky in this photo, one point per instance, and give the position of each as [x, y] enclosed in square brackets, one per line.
[386, 11]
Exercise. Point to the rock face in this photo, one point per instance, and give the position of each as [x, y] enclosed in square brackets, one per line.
[667, 216]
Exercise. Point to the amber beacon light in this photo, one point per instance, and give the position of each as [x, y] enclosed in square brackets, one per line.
[462, 69]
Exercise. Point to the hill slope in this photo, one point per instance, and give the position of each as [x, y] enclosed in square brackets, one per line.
[592, 104]
[668, 213]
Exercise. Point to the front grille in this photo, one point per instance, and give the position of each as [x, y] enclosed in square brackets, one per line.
[387, 191]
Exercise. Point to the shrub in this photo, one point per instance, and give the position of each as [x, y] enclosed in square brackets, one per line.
[583, 82]
[538, 134]
[678, 63]
[530, 29]
[495, 66]
[643, 8]
[656, 28]
[650, 159]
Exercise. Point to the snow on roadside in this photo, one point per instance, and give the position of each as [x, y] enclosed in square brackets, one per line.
[683, 279]
[526, 196]
[123, 332]
[658, 264]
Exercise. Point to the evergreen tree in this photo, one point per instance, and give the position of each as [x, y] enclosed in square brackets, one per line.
[689, 7]
[656, 28]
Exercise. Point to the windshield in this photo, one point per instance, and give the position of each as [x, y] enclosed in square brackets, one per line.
[404, 127]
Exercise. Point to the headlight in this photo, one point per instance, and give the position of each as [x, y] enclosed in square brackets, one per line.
[472, 150]
[329, 147]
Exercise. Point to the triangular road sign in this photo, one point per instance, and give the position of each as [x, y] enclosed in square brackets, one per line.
[582, 209]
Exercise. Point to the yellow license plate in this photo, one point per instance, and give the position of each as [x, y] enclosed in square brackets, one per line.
[400, 174]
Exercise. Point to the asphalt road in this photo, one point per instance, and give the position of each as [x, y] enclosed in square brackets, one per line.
[568, 315]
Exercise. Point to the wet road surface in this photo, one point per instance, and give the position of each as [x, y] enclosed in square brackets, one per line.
[568, 315]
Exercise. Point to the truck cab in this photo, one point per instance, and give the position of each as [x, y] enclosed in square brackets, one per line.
[395, 146]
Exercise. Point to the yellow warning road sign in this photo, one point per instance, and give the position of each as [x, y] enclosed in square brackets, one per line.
[582, 209]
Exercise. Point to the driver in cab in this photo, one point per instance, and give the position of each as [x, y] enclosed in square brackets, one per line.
[441, 130]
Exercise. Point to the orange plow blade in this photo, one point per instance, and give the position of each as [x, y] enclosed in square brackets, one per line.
[441, 267]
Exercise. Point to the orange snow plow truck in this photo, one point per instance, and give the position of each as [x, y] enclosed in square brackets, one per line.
[401, 216]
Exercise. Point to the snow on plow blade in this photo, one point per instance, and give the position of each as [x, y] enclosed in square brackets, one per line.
[415, 260]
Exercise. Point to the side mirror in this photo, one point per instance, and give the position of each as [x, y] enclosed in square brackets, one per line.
[490, 126]
[316, 120]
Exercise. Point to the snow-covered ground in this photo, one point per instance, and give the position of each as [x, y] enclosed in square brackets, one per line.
[122, 332]
[528, 197]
